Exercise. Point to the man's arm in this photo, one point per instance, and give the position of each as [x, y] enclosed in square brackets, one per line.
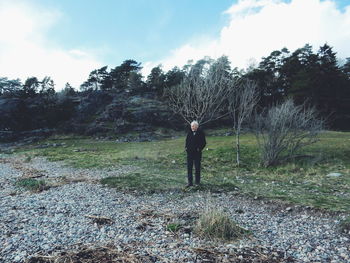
[204, 142]
[186, 144]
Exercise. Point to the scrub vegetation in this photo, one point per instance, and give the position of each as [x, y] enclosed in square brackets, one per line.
[161, 166]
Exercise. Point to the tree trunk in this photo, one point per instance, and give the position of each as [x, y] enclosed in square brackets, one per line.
[237, 147]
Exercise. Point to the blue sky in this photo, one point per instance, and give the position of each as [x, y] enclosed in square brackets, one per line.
[140, 29]
[67, 39]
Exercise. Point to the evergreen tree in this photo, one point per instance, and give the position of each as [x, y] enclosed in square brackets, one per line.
[156, 80]
[120, 75]
[30, 87]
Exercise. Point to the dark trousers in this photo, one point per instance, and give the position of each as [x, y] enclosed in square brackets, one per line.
[194, 157]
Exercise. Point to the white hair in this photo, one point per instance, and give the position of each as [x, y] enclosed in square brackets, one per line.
[195, 123]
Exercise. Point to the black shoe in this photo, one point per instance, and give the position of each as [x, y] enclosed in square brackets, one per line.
[189, 185]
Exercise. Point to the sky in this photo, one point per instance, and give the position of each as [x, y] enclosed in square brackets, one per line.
[67, 39]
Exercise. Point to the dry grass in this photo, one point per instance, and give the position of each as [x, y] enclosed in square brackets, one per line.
[105, 254]
[136, 254]
[214, 223]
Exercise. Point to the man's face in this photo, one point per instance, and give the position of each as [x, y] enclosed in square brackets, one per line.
[194, 127]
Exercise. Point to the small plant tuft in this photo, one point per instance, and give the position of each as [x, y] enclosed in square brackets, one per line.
[32, 184]
[214, 223]
[345, 226]
[173, 227]
[28, 159]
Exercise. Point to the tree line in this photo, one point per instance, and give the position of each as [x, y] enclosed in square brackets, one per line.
[315, 78]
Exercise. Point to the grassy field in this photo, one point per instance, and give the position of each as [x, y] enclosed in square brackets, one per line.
[161, 165]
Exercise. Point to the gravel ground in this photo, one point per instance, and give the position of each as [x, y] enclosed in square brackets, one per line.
[77, 210]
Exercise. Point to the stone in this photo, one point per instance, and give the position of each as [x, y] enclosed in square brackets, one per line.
[334, 174]
[343, 255]
[17, 258]
[62, 226]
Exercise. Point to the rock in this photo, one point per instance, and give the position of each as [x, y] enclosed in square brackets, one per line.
[7, 136]
[17, 258]
[97, 128]
[54, 220]
[343, 255]
[149, 111]
[113, 112]
[334, 174]
[46, 246]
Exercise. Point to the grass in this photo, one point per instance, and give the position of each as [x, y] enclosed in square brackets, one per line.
[32, 184]
[161, 166]
[214, 223]
[173, 227]
[150, 183]
[28, 159]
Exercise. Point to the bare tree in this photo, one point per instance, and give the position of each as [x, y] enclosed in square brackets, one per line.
[243, 99]
[284, 129]
[201, 95]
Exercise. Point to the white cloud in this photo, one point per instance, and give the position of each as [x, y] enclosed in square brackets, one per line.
[257, 27]
[26, 51]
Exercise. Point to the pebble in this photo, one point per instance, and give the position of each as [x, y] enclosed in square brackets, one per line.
[57, 218]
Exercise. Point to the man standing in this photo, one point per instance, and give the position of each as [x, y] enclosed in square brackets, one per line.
[195, 143]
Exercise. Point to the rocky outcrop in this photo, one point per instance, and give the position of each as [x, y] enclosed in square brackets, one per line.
[9, 112]
[94, 113]
[27, 136]
[133, 113]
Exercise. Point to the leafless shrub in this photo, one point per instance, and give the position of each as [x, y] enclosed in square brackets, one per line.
[201, 96]
[284, 129]
[242, 101]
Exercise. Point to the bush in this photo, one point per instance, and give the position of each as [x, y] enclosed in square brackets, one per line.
[284, 129]
[213, 223]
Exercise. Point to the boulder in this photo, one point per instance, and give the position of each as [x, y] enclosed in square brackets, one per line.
[148, 111]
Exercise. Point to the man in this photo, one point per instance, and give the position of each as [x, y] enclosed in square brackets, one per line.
[195, 143]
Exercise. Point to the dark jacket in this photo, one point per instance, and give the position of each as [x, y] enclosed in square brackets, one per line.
[195, 143]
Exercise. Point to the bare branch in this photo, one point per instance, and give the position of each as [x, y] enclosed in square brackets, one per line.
[201, 96]
[244, 97]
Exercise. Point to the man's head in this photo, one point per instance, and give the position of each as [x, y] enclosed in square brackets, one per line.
[194, 125]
